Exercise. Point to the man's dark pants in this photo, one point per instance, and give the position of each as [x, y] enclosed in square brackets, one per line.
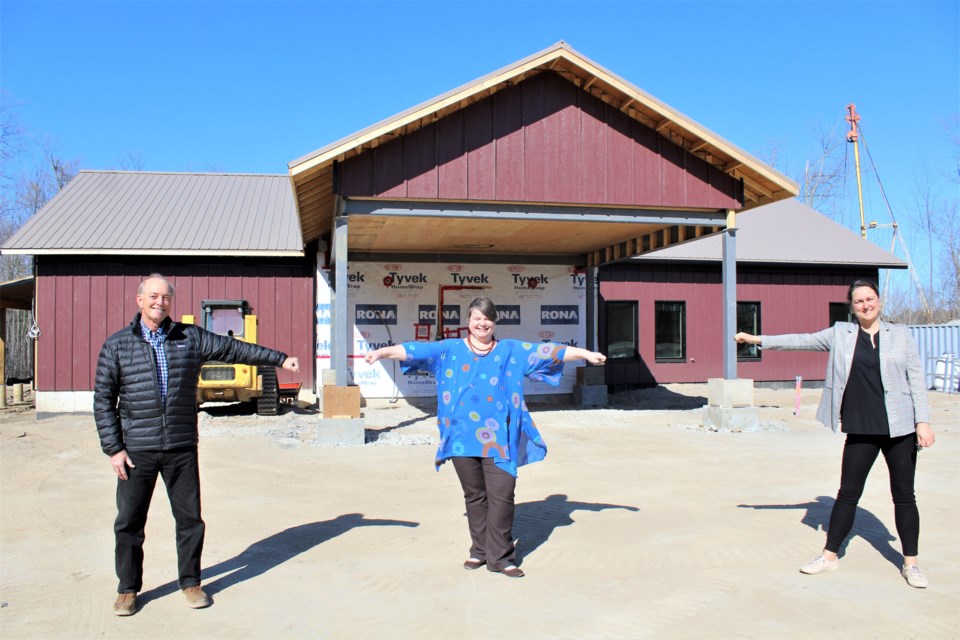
[181, 474]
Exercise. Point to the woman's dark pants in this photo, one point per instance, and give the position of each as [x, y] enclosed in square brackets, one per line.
[181, 475]
[488, 493]
[859, 454]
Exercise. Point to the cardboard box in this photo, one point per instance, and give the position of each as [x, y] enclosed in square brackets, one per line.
[341, 402]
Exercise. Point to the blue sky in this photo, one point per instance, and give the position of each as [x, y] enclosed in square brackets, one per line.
[249, 86]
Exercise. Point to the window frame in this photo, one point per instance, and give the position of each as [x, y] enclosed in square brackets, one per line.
[835, 306]
[682, 325]
[749, 352]
[633, 309]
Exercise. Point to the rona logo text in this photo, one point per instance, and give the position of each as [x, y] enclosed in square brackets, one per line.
[508, 314]
[559, 314]
[376, 314]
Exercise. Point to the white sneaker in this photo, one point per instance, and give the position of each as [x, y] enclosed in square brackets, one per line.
[819, 565]
[914, 576]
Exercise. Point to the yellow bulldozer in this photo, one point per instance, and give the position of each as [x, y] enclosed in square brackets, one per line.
[222, 382]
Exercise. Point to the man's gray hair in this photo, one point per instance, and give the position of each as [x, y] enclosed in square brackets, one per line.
[151, 277]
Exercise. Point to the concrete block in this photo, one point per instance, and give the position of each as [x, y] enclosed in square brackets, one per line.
[731, 418]
[340, 431]
[328, 377]
[730, 393]
[591, 375]
[590, 395]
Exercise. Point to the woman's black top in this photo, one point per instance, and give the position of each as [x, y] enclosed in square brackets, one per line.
[863, 410]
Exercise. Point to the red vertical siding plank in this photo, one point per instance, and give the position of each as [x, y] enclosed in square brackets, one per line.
[99, 318]
[266, 310]
[420, 163]
[593, 159]
[83, 308]
[620, 169]
[283, 320]
[724, 189]
[217, 283]
[480, 146]
[451, 158]
[301, 328]
[64, 332]
[356, 175]
[45, 317]
[508, 131]
[233, 289]
[570, 173]
[539, 149]
[699, 193]
[389, 172]
[673, 174]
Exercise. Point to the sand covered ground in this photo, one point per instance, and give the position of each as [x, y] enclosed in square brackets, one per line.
[640, 524]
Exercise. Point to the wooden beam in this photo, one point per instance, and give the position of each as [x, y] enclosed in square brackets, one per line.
[756, 187]
[732, 168]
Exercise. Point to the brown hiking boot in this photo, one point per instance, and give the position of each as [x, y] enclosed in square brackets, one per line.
[125, 605]
[196, 598]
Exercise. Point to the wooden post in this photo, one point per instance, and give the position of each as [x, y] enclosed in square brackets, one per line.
[3, 358]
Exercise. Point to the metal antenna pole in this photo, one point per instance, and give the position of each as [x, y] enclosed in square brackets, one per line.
[854, 118]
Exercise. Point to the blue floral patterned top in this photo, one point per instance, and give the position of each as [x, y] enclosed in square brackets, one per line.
[480, 407]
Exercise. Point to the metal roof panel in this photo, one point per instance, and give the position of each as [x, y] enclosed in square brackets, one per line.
[784, 232]
[156, 212]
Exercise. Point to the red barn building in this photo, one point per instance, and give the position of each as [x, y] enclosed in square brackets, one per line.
[552, 161]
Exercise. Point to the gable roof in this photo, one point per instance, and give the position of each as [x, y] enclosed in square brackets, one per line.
[136, 213]
[312, 174]
[786, 232]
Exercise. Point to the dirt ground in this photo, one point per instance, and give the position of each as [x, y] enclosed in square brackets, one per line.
[639, 524]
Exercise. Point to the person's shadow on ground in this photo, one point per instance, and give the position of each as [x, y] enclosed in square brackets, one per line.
[272, 551]
[866, 525]
[534, 522]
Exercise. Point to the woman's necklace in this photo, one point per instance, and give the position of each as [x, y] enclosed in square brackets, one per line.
[480, 351]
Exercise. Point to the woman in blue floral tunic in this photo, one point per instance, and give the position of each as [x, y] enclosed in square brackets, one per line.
[485, 428]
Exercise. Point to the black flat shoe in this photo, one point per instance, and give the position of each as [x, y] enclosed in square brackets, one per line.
[472, 564]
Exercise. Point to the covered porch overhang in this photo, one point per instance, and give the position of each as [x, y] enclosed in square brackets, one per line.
[582, 236]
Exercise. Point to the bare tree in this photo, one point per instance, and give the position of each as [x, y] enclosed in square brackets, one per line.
[25, 192]
[926, 208]
[823, 178]
[131, 161]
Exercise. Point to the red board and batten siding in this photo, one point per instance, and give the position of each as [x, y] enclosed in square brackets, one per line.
[792, 300]
[79, 305]
[543, 140]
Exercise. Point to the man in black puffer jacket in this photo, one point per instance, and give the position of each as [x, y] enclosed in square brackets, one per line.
[145, 408]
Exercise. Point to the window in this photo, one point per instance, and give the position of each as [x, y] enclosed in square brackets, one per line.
[748, 320]
[621, 330]
[840, 312]
[226, 322]
[670, 331]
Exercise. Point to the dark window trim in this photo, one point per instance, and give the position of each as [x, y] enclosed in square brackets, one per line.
[759, 329]
[682, 358]
[635, 306]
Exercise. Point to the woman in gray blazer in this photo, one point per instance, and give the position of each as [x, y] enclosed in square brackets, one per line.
[875, 392]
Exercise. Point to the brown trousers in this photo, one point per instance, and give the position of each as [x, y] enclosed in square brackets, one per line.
[488, 493]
